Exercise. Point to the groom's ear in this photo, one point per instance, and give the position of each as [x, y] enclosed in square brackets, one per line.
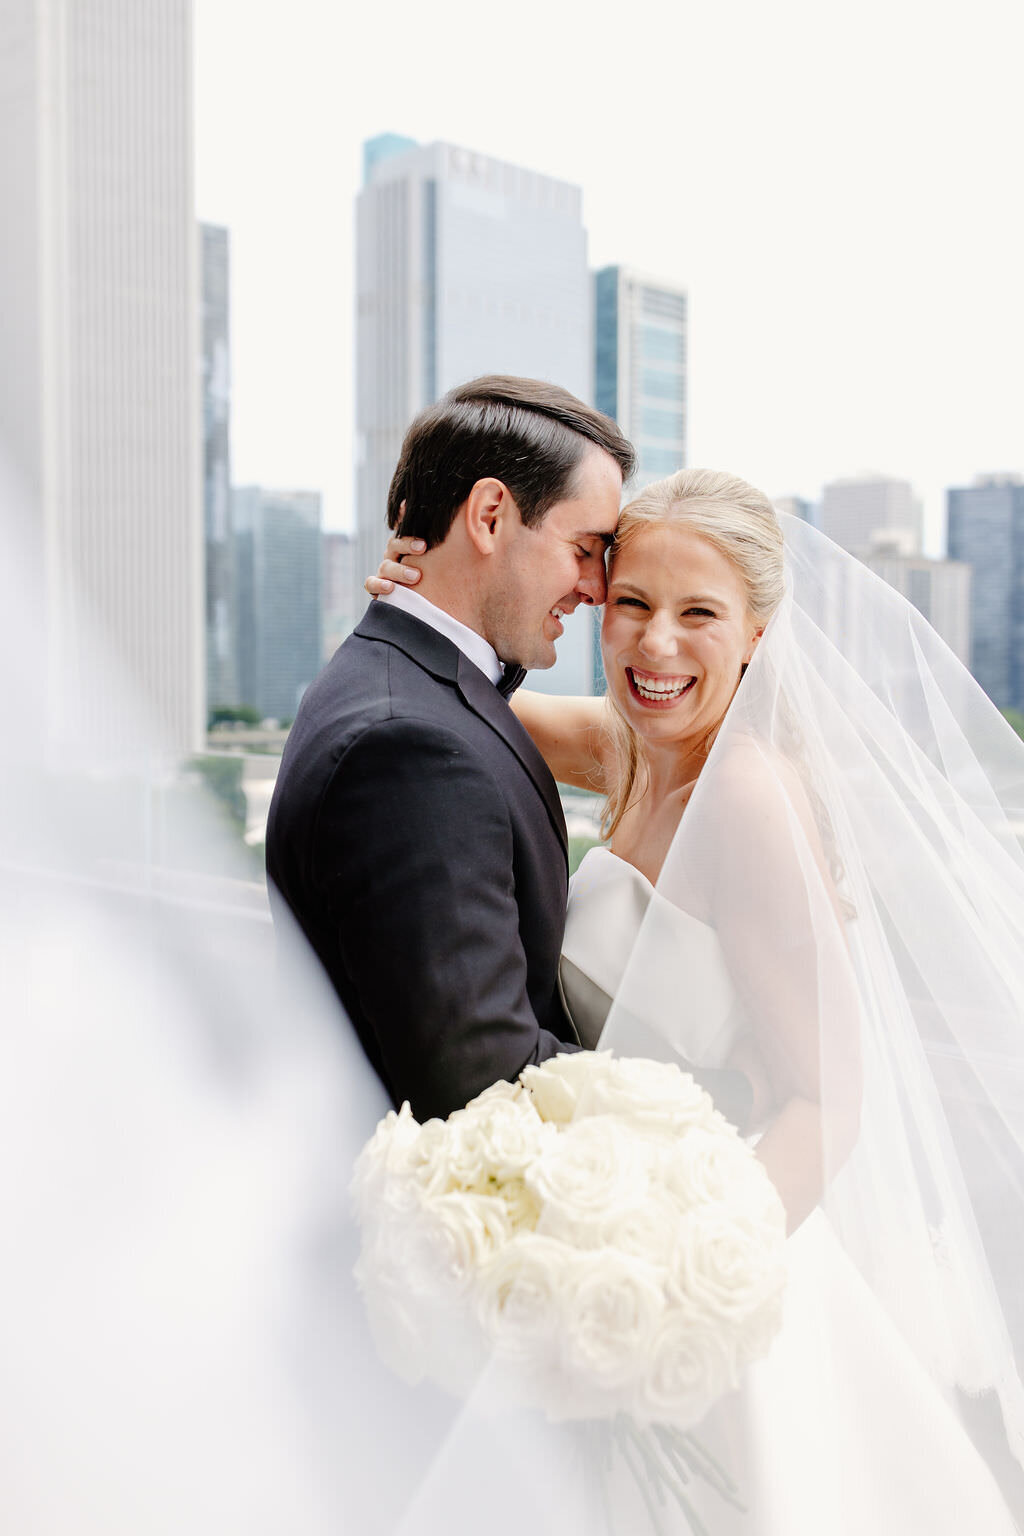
[487, 511]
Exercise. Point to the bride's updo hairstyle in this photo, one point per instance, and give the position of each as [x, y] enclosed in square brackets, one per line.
[741, 523]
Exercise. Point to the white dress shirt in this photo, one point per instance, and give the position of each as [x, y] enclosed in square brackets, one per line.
[480, 652]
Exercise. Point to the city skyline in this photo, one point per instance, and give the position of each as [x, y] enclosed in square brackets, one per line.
[465, 263]
[845, 314]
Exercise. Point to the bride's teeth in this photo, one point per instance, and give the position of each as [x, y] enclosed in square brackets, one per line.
[660, 688]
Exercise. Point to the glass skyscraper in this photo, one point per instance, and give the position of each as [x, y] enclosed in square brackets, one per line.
[465, 265]
[278, 543]
[986, 530]
[640, 366]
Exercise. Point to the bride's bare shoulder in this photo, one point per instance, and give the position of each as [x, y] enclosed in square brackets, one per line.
[752, 778]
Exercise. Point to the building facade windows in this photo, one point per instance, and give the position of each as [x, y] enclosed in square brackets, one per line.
[640, 366]
[986, 530]
[660, 423]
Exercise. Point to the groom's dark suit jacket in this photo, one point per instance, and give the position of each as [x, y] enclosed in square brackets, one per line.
[417, 836]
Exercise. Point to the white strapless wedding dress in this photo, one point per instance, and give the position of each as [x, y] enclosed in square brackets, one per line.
[840, 1432]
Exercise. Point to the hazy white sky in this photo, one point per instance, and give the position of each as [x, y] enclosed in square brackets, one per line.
[839, 185]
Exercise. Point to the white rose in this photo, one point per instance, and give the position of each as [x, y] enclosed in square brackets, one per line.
[615, 1308]
[498, 1093]
[555, 1086]
[692, 1365]
[493, 1138]
[654, 1095]
[520, 1300]
[465, 1159]
[717, 1168]
[725, 1267]
[706, 1167]
[647, 1230]
[405, 1272]
[426, 1160]
[415, 1276]
[387, 1150]
[590, 1175]
[511, 1138]
[458, 1234]
[496, 1135]
[552, 1097]
[521, 1207]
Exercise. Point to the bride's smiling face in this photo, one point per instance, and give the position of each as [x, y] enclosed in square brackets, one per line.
[676, 634]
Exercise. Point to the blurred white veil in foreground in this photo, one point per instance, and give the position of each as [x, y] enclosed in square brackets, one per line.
[179, 1113]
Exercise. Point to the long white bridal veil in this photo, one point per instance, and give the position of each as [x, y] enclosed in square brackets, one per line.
[183, 1344]
[854, 844]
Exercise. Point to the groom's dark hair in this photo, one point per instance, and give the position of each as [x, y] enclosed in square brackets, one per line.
[528, 434]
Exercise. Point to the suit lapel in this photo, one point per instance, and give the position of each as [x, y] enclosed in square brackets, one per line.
[443, 659]
[485, 700]
[427, 647]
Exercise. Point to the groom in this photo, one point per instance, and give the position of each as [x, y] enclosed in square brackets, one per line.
[415, 832]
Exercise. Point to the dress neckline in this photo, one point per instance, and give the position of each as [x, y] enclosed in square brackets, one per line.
[603, 848]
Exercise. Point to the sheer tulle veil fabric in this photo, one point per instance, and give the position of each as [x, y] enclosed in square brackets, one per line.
[855, 839]
[853, 846]
[184, 1346]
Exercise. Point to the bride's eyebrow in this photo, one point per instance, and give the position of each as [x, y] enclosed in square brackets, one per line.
[712, 602]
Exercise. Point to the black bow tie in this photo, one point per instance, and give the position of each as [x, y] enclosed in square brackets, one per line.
[512, 675]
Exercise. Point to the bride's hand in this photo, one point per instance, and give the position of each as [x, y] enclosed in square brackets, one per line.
[392, 568]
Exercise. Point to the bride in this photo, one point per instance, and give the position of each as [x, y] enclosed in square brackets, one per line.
[812, 878]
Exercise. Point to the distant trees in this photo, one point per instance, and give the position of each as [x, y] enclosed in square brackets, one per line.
[233, 714]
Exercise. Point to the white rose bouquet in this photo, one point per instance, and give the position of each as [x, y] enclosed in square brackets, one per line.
[597, 1229]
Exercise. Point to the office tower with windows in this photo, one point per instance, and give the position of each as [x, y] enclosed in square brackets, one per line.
[640, 353]
[861, 511]
[465, 265]
[939, 589]
[278, 582]
[99, 310]
[986, 530]
[221, 675]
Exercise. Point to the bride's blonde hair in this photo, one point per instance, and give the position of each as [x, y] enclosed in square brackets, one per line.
[741, 523]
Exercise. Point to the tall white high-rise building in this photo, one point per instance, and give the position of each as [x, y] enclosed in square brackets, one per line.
[864, 511]
[640, 366]
[215, 284]
[464, 266]
[99, 304]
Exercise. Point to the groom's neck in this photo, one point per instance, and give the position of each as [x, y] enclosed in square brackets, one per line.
[452, 586]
